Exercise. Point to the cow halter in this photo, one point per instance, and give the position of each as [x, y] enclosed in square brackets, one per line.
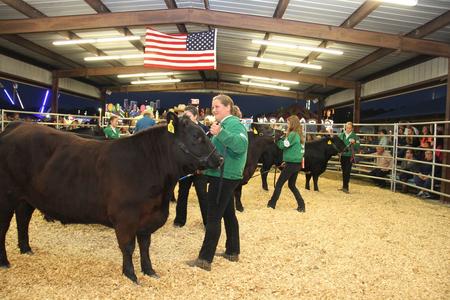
[200, 159]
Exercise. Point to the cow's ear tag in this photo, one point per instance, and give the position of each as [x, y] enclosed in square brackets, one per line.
[255, 131]
[170, 127]
[329, 142]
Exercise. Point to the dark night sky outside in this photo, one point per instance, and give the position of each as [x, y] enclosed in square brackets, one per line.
[426, 103]
[32, 98]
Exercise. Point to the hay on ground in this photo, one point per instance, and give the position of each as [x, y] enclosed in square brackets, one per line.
[371, 244]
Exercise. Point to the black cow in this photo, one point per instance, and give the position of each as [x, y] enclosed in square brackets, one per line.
[272, 156]
[317, 154]
[124, 184]
[259, 139]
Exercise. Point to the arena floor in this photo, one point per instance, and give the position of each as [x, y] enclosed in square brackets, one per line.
[371, 244]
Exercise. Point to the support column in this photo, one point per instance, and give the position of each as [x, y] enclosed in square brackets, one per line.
[102, 104]
[445, 187]
[357, 105]
[55, 90]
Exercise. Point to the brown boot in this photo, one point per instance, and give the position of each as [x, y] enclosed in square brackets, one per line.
[230, 257]
[200, 263]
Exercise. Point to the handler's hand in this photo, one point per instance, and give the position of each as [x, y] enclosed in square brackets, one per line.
[215, 128]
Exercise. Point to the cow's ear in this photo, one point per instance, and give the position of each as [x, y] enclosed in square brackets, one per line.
[172, 122]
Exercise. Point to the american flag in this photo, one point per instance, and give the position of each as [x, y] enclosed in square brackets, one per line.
[192, 51]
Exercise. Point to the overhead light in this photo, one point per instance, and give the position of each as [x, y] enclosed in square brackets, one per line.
[293, 46]
[270, 79]
[145, 74]
[264, 85]
[9, 97]
[112, 57]
[282, 62]
[20, 100]
[44, 102]
[155, 81]
[401, 2]
[99, 40]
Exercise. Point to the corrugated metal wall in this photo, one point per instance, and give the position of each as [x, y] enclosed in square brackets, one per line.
[23, 70]
[422, 72]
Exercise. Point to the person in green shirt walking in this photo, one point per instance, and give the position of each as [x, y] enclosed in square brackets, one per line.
[112, 132]
[231, 141]
[293, 150]
[351, 140]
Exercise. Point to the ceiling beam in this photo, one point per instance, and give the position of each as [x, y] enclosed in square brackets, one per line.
[278, 14]
[224, 68]
[24, 43]
[209, 85]
[101, 8]
[354, 19]
[33, 13]
[231, 20]
[420, 32]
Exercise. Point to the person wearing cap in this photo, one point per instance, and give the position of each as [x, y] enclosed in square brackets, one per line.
[145, 122]
[112, 132]
[199, 181]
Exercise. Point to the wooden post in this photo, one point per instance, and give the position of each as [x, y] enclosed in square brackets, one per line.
[55, 90]
[445, 187]
[357, 105]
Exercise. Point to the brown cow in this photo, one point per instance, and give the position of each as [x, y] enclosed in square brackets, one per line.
[125, 184]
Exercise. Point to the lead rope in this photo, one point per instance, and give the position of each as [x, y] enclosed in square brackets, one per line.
[221, 177]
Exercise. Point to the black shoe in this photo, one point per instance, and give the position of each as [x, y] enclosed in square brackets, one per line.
[230, 257]
[199, 263]
[271, 205]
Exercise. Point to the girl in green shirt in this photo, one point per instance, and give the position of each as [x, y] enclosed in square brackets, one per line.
[293, 150]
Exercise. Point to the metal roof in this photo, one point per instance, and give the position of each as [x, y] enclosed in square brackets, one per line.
[234, 44]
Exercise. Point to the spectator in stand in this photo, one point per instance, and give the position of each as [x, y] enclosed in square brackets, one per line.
[198, 179]
[383, 166]
[439, 142]
[407, 165]
[112, 132]
[401, 141]
[429, 140]
[383, 140]
[425, 169]
[413, 130]
[411, 140]
[145, 122]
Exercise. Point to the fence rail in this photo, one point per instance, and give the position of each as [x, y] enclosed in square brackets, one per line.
[394, 143]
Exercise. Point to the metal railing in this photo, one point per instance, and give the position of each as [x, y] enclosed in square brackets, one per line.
[50, 119]
[365, 158]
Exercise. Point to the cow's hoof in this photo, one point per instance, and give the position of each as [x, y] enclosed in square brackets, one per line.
[152, 274]
[307, 188]
[240, 208]
[300, 209]
[27, 251]
[132, 277]
[316, 190]
[5, 265]
[265, 188]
